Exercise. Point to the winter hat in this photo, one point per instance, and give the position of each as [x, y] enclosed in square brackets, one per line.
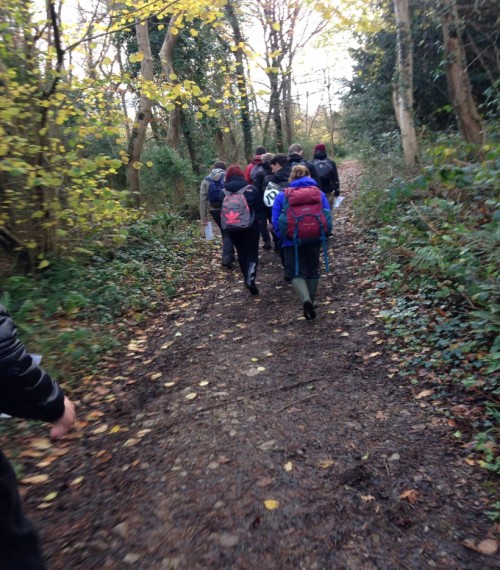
[320, 148]
[234, 171]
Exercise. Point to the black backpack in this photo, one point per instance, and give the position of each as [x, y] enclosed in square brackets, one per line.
[324, 170]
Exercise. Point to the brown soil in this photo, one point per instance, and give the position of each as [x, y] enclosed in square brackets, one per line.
[307, 414]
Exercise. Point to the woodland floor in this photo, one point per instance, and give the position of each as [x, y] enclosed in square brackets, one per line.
[224, 401]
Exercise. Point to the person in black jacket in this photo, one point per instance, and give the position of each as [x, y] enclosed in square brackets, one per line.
[26, 391]
[260, 173]
[296, 156]
[328, 176]
[246, 241]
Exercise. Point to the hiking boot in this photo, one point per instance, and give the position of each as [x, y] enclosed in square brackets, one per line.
[267, 245]
[253, 288]
[227, 263]
[309, 312]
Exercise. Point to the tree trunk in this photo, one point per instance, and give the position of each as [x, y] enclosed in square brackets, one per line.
[166, 59]
[143, 116]
[288, 106]
[403, 93]
[246, 121]
[469, 121]
[275, 109]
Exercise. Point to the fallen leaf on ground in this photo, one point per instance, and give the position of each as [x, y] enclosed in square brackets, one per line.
[131, 441]
[100, 429]
[288, 466]
[368, 497]
[325, 463]
[411, 495]
[76, 482]
[167, 345]
[203, 383]
[169, 384]
[191, 396]
[264, 482]
[271, 504]
[156, 375]
[34, 479]
[41, 443]
[424, 394]
[488, 546]
[50, 496]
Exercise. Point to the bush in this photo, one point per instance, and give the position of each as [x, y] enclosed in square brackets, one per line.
[168, 181]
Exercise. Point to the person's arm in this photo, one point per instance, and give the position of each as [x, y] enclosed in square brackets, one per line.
[204, 202]
[26, 390]
[276, 211]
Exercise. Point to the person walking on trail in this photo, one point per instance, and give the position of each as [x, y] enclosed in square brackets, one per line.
[26, 391]
[328, 176]
[301, 217]
[211, 196]
[260, 172]
[240, 216]
[274, 184]
[256, 160]
[296, 156]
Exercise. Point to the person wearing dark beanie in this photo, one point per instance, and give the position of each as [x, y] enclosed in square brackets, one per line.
[328, 177]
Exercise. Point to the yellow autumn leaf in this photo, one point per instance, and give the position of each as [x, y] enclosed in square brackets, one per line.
[193, 32]
[137, 165]
[50, 496]
[34, 479]
[115, 429]
[149, 163]
[276, 26]
[271, 504]
[43, 263]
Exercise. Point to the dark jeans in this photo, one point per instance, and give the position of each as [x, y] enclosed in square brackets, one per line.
[19, 549]
[264, 231]
[308, 261]
[227, 244]
[246, 243]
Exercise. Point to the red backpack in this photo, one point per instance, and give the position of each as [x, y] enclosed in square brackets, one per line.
[303, 218]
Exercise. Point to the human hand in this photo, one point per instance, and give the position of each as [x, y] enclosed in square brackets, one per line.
[204, 221]
[63, 424]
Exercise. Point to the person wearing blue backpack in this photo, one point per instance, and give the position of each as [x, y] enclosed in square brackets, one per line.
[302, 219]
[211, 196]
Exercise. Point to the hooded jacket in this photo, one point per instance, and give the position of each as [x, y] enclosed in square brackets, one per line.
[295, 158]
[333, 183]
[305, 182]
[205, 205]
[26, 390]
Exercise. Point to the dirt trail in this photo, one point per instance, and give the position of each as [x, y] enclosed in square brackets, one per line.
[302, 413]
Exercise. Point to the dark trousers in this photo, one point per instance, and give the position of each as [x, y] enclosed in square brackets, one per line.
[227, 244]
[246, 243]
[19, 548]
[308, 261]
[264, 231]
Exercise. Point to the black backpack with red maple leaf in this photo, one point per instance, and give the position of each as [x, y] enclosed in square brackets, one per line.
[235, 214]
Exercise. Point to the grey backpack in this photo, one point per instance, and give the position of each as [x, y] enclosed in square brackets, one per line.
[235, 213]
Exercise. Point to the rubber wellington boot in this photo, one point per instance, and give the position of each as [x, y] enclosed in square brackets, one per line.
[312, 285]
[250, 280]
[302, 291]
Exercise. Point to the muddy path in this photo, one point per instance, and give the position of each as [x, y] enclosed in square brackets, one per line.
[237, 435]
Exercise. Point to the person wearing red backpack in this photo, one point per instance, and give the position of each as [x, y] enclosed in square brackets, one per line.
[301, 218]
[240, 212]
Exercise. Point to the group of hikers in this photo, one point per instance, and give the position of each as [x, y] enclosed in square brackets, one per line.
[286, 200]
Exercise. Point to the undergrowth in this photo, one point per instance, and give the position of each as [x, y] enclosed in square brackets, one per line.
[435, 236]
[74, 311]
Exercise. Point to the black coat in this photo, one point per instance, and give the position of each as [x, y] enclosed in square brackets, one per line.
[333, 183]
[263, 170]
[295, 158]
[26, 390]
